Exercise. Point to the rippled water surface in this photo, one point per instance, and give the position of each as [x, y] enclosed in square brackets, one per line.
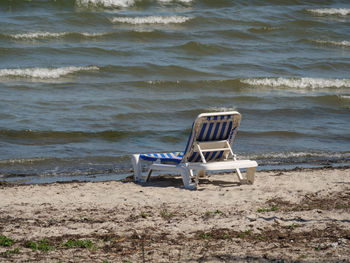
[86, 83]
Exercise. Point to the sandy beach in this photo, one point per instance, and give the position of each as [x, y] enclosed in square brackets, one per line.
[286, 216]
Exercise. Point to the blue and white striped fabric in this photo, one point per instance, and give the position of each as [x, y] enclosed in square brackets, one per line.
[207, 127]
[166, 158]
[211, 128]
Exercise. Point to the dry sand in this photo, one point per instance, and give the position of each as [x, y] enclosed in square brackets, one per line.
[290, 216]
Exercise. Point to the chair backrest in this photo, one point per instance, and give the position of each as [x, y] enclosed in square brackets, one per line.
[214, 127]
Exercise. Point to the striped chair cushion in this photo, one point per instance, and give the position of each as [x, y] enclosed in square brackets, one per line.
[166, 158]
[211, 128]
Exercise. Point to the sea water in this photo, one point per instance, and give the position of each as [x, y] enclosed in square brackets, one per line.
[86, 83]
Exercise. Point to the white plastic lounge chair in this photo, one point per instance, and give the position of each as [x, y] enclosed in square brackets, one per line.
[209, 147]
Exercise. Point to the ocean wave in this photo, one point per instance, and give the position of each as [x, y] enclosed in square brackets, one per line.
[343, 43]
[93, 34]
[274, 133]
[44, 35]
[180, 1]
[220, 109]
[330, 11]
[50, 137]
[43, 73]
[195, 47]
[106, 3]
[263, 29]
[120, 3]
[37, 35]
[299, 83]
[22, 161]
[151, 20]
[344, 97]
[301, 155]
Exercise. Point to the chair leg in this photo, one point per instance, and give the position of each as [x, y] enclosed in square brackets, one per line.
[201, 173]
[239, 174]
[251, 175]
[137, 167]
[196, 179]
[149, 175]
[186, 178]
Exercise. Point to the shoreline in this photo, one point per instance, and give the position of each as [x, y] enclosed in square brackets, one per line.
[32, 179]
[291, 216]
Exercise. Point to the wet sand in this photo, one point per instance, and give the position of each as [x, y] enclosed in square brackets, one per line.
[286, 216]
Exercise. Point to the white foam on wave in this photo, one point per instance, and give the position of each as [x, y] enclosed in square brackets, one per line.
[299, 83]
[220, 109]
[143, 30]
[36, 35]
[343, 43]
[181, 1]
[43, 73]
[43, 35]
[330, 11]
[120, 3]
[151, 20]
[106, 3]
[344, 97]
[157, 82]
[288, 155]
[22, 161]
[93, 34]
